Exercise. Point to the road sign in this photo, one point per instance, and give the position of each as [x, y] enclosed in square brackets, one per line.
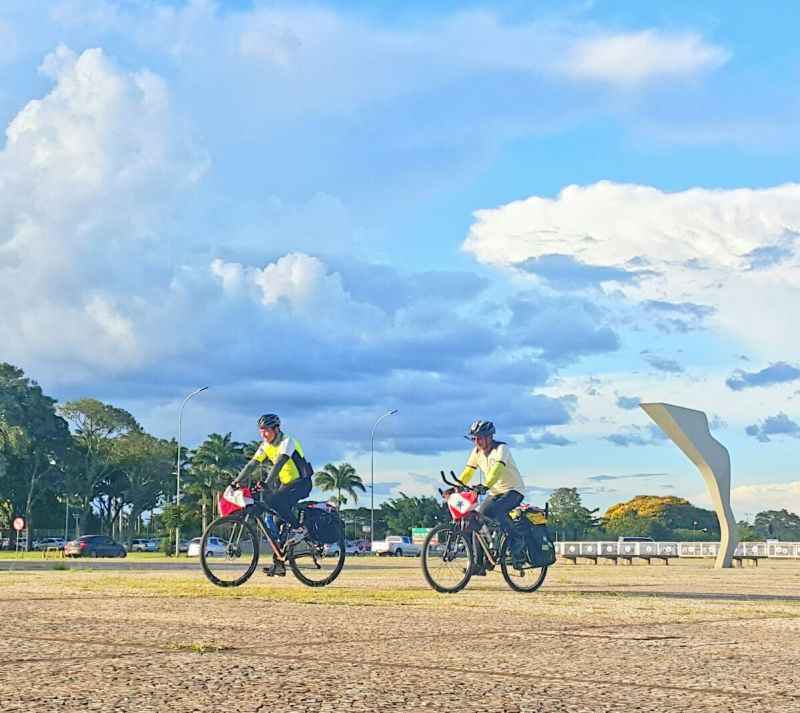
[18, 523]
[418, 534]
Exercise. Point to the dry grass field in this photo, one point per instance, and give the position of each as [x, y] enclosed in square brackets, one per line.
[594, 638]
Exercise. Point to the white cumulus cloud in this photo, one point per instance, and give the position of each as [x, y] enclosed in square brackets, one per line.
[636, 57]
[87, 176]
[730, 250]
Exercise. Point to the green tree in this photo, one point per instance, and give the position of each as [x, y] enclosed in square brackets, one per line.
[95, 427]
[171, 517]
[404, 512]
[568, 517]
[148, 466]
[778, 524]
[747, 532]
[212, 466]
[34, 442]
[341, 478]
[661, 517]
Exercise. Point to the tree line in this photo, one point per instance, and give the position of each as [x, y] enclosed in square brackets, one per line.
[665, 518]
[95, 460]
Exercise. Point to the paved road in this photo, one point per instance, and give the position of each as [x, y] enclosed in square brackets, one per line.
[381, 641]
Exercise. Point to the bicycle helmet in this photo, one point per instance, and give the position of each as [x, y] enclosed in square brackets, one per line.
[269, 420]
[480, 428]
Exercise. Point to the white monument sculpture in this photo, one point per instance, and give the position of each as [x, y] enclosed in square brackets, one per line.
[689, 430]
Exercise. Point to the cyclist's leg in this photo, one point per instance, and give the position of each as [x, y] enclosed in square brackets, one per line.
[280, 501]
[498, 508]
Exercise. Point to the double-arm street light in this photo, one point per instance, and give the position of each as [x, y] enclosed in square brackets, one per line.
[372, 477]
[178, 479]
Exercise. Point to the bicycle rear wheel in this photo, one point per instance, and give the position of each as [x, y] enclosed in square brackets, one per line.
[229, 551]
[447, 559]
[316, 565]
[528, 579]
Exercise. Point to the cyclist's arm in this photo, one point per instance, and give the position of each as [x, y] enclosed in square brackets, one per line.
[494, 473]
[247, 472]
[252, 467]
[469, 468]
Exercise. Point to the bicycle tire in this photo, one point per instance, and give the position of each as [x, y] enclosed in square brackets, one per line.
[234, 519]
[468, 562]
[514, 581]
[295, 553]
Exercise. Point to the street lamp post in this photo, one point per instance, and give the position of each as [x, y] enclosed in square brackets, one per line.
[372, 477]
[178, 479]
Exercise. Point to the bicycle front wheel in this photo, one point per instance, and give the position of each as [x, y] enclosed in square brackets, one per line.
[447, 559]
[527, 579]
[316, 565]
[229, 551]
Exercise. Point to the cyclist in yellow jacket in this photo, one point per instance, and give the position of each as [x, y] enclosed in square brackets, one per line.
[503, 483]
[289, 479]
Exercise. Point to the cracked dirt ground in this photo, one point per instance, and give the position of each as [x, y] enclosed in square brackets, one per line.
[678, 638]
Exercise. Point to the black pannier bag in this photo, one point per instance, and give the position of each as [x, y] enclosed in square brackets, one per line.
[324, 526]
[541, 551]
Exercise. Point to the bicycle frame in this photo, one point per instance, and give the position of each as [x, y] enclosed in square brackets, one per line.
[277, 549]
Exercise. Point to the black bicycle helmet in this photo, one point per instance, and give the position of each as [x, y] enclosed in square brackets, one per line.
[480, 428]
[269, 420]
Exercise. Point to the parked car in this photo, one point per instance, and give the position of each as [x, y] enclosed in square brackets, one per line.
[363, 546]
[141, 544]
[397, 545]
[215, 547]
[350, 548]
[94, 546]
[45, 543]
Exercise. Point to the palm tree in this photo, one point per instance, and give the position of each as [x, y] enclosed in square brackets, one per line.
[340, 478]
[213, 465]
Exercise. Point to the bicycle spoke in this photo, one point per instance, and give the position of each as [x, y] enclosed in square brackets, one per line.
[446, 559]
[229, 551]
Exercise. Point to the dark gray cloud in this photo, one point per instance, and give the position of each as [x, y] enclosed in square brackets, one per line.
[637, 436]
[564, 272]
[677, 317]
[779, 373]
[562, 328]
[778, 425]
[662, 363]
[628, 402]
[767, 256]
[544, 439]
[605, 478]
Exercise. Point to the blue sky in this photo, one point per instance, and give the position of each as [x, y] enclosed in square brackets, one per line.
[537, 213]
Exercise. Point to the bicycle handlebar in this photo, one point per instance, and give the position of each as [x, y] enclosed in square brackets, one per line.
[457, 483]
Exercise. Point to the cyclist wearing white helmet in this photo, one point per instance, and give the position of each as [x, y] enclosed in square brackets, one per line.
[289, 479]
[503, 483]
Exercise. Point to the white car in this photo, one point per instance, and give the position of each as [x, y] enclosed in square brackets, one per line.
[144, 545]
[350, 548]
[397, 545]
[215, 547]
[47, 542]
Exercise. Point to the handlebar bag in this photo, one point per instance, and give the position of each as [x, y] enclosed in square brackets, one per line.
[234, 499]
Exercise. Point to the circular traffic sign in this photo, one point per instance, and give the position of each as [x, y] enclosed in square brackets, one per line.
[18, 523]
